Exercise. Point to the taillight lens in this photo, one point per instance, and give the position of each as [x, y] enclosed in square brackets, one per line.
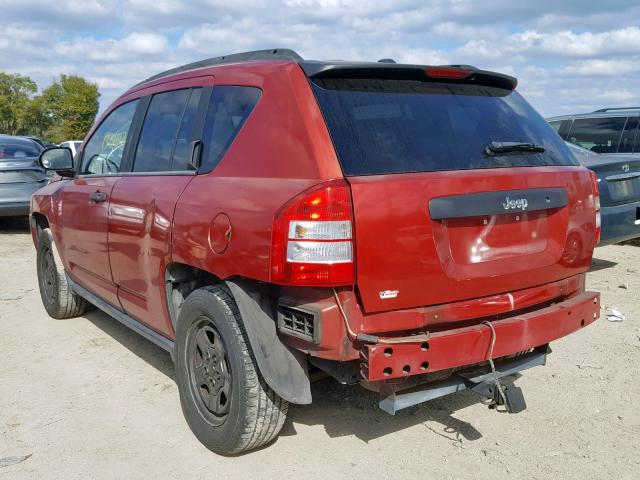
[596, 204]
[313, 238]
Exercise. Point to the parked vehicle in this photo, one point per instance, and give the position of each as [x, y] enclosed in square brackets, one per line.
[418, 229]
[619, 187]
[20, 174]
[609, 130]
[40, 142]
[73, 145]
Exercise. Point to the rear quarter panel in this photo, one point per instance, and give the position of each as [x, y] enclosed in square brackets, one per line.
[283, 149]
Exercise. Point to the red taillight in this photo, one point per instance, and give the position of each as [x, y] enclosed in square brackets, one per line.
[313, 238]
[447, 72]
[596, 204]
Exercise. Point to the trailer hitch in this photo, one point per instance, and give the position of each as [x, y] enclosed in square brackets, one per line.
[480, 380]
[513, 400]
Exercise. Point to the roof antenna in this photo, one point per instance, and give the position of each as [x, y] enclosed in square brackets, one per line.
[386, 60]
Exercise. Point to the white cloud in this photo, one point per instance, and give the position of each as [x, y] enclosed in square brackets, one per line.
[111, 50]
[564, 54]
[604, 67]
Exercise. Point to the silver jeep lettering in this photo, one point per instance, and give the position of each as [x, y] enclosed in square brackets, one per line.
[513, 204]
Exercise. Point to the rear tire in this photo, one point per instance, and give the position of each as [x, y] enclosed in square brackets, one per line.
[57, 297]
[226, 402]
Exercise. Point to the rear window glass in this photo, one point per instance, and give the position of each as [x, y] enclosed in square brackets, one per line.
[19, 149]
[398, 126]
[600, 135]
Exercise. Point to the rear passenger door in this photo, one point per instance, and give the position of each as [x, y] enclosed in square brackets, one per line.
[143, 202]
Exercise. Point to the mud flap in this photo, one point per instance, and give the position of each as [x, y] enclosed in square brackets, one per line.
[284, 369]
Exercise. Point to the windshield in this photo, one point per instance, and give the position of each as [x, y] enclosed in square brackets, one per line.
[17, 149]
[398, 126]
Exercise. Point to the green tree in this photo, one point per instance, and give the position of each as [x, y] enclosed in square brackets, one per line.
[35, 119]
[16, 93]
[71, 104]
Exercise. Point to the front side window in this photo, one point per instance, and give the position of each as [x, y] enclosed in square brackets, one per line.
[103, 152]
[229, 108]
[600, 135]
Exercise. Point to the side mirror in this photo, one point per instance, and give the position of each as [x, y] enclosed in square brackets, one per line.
[59, 160]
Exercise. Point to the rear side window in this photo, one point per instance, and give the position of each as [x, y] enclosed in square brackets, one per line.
[629, 136]
[229, 108]
[600, 135]
[399, 126]
[166, 132]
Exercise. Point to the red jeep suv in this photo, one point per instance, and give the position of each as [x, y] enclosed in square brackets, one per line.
[416, 229]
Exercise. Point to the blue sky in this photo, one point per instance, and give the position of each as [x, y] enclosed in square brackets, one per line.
[569, 56]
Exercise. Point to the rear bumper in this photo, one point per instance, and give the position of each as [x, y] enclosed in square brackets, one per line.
[14, 209]
[471, 345]
[620, 223]
[15, 198]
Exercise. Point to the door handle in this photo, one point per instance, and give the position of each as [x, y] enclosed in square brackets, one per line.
[196, 153]
[97, 197]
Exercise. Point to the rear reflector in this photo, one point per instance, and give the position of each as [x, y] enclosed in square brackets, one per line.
[312, 238]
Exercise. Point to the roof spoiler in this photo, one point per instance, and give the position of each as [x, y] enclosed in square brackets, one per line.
[466, 74]
[340, 69]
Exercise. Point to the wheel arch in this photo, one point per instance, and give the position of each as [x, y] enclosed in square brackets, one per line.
[38, 223]
[283, 368]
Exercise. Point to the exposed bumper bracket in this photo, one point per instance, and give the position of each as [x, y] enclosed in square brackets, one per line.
[478, 379]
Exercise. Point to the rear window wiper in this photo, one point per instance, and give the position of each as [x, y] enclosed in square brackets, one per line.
[498, 148]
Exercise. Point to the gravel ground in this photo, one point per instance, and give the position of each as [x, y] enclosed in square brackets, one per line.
[87, 398]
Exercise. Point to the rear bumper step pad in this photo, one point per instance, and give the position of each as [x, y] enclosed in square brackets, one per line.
[470, 345]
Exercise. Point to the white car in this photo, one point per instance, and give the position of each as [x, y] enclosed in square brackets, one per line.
[73, 145]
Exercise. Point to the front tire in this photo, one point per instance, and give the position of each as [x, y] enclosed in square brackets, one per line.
[57, 297]
[226, 402]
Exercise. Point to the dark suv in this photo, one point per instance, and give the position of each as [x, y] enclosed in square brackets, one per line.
[417, 229]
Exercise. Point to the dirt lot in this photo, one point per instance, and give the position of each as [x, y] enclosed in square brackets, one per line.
[87, 398]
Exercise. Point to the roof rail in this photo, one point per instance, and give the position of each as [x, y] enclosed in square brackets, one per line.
[270, 54]
[615, 108]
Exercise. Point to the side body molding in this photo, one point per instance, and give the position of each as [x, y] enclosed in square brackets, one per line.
[284, 369]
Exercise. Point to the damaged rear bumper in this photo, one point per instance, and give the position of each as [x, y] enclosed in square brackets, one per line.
[459, 347]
